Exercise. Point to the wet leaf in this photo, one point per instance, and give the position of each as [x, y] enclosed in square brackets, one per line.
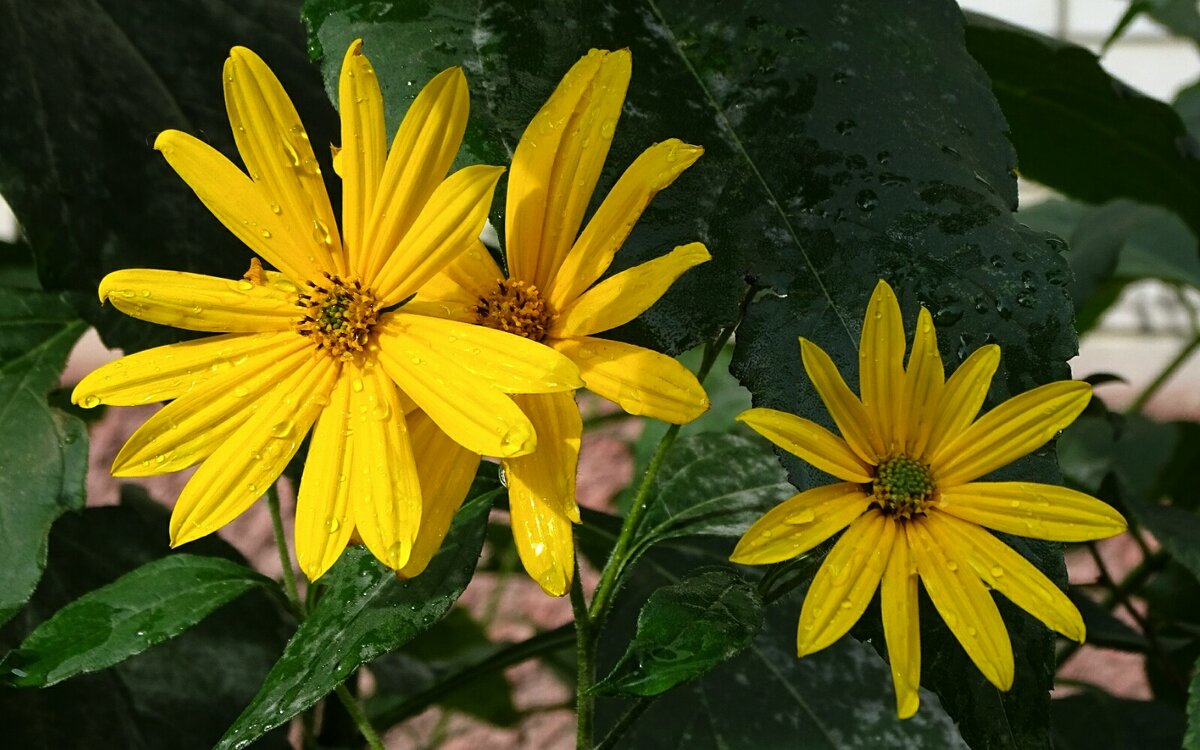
[179, 694]
[86, 88]
[712, 484]
[365, 613]
[1096, 721]
[43, 451]
[141, 609]
[1081, 131]
[684, 630]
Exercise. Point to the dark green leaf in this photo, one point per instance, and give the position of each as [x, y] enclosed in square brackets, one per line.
[85, 88]
[1187, 104]
[684, 630]
[1181, 17]
[1097, 721]
[179, 694]
[43, 452]
[1176, 529]
[141, 609]
[365, 613]
[1191, 739]
[1081, 131]
[713, 485]
[1103, 629]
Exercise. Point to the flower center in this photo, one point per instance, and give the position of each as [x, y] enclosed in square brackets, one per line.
[338, 316]
[903, 487]
[516, 307]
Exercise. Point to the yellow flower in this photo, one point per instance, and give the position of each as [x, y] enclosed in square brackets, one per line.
[550, 294]
[910, 452]
[325, 340]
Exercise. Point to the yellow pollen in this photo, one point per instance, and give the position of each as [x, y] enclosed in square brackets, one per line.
[338, 316]
[516, 307]
[903, 487]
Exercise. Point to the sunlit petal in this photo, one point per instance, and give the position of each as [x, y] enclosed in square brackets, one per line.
[324, 511]
[1004, 570]
[655, 169]
[845, 583]
[279, 158]
[881, 363]
[199, 303]
[800, 523]
[558, 161]
[364, 146]
[621, 298]
[241, 469]
[1013, 429]
[857, 428]
[961, 398]
[923, 383]
[901, 626]
[1040, 511]
[640, 381]
[809, 441]
[963, 602]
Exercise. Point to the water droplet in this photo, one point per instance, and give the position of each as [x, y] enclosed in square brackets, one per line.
[241, 391]
[276, 209]
[283, 429]
[866, 200]
[332, 524]
[90, 401]
[321, 232]
[607, 128]
[357, 385]
[292, 155]
[245, 285]
[395, 553]
[997, 571]
[846, 127]
[800, 517]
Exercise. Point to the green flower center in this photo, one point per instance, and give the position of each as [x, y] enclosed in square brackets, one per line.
[338, 316]
[903, 487]
[515, 307]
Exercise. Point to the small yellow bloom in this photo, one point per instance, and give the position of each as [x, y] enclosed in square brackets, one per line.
[910, 452]
[550, 294]
[323, 342]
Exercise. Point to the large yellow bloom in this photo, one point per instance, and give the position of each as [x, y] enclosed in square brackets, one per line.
[550, 294]
[910, 452]
[326, 339]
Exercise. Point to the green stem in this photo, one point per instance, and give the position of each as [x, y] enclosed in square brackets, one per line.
[360, 718]
[585, 664]
[293, 594]
[285, 559]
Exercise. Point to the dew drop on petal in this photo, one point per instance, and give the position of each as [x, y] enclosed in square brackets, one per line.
[332, 524]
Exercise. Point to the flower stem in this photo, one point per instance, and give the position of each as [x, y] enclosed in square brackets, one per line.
[360, 717]
[589, 621]
[293, 594]
[285, 559]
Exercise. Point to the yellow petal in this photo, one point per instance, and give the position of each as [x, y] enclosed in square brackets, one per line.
[504, 361]
[847, 411]
[901, 627]
[557, 163]
[448, 226]
[808, 441]
[1040, 511]
[236, 201]
[241, 469]
[923, 382]
[420, 156]
[800, 523]
[478, 417]
[279, 157]
[324, 511]
[542, 484]
[1013, 429]
[383, 472]
[881, 363]
[847, 580]
[199, 303]
[168, 372]
[188, 430]
[593, 252]
[961, 397]
[364, 146]
[541, 491]
[621, 298]
[446, 470]
[465, 280]
[1004, 570]
[963, 602]
[641, 381]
